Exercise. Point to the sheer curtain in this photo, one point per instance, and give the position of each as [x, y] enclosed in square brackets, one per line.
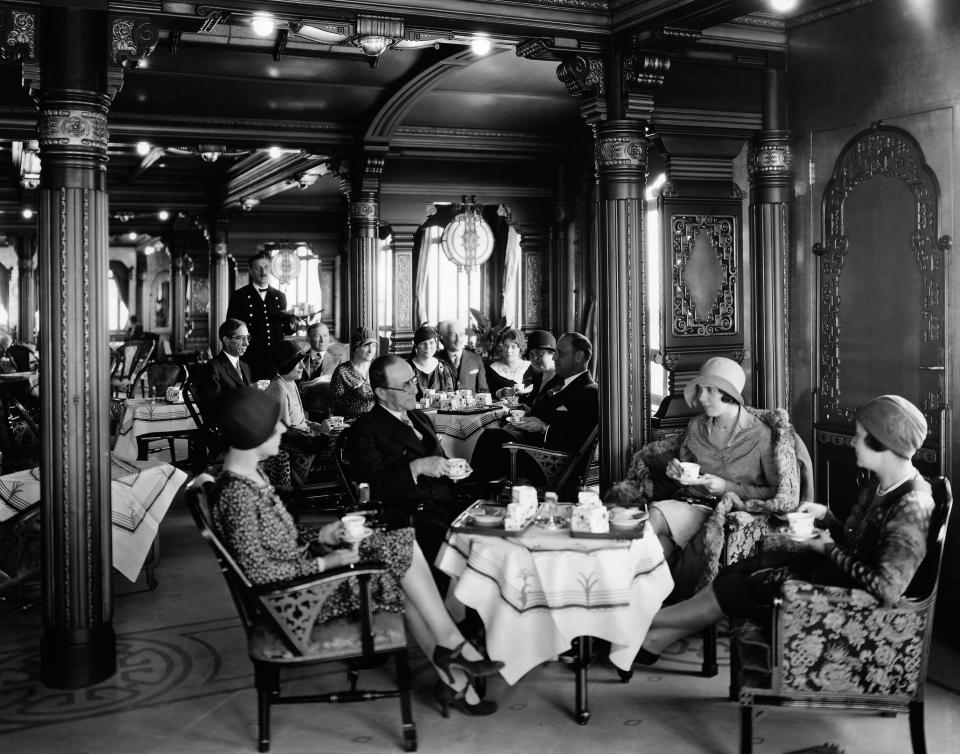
[427, 262]
[512, 300]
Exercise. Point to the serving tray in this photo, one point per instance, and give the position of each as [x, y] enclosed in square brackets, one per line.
[464, 523]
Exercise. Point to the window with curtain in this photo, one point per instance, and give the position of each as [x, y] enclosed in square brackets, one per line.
[117, 312]
[653, 254]
[385, 284]
[444, 291]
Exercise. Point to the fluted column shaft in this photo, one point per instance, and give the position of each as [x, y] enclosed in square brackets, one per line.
[27, 287]
[770, 184]
[621, 165]
[78, 644]
[219, 289]
[179, 262]
[364, 244]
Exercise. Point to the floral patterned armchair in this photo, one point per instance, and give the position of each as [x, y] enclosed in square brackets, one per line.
[279, 620]
[836, 647]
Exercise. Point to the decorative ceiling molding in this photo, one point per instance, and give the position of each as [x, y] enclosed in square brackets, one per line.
[842, 6]
[475, 139]
[436, 188]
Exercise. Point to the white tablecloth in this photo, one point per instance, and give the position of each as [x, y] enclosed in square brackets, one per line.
[141, 493]
[459, 432]
[538, 592]
[142, 416]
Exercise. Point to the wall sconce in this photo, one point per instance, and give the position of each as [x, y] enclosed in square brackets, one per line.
[375, 35]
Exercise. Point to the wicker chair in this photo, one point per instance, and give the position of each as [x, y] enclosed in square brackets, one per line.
[282, 633]
[829, 646]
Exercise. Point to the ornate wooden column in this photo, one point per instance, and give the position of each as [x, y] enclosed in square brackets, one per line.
[561, 268]
[80, 54]
[27, 264]
[770, 183]
[219, 281]
[179, 269]
[615, 106]
[364, 202]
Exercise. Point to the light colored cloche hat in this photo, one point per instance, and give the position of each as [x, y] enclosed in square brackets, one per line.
[723, 374]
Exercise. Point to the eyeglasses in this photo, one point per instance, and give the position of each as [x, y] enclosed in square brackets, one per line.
[240, 338]
[410, 384]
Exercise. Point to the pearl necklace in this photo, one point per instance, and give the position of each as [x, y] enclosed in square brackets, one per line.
[907, 478]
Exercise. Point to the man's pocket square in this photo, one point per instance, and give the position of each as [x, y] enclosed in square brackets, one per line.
[474, 371]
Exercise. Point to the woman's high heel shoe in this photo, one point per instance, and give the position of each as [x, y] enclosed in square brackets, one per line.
[448, 698]
[449, 659]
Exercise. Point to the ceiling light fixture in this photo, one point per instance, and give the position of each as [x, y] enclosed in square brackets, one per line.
[263, 24]
[163, 215]
[132, 235]
[274, 153]
[375, 35]
[467, 239]
[783, 6]
[481, 45]
[143, 148]
[27, 213]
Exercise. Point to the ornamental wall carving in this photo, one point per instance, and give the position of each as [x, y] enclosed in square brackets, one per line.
[18, 35]
[891, 153]
[620, 151]
[768, 159]
[705, 270]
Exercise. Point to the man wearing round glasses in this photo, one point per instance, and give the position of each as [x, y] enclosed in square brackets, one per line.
[394, 448]
[226, 371]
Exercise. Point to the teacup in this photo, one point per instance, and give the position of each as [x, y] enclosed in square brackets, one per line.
[458, 466]
[335, 422]
[353, 525]
[801, 524]
[516, 414]
[511, 400]
[484, 399]
[689, 471]
[466, 394]
[174, 395]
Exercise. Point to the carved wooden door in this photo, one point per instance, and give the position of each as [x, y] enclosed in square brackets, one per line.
[882, 303]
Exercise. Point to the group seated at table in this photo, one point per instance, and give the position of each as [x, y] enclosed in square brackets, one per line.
[269, 547]
[394, 448]
[747, 462]
[878, 548]
[350, 391]
[564, 414]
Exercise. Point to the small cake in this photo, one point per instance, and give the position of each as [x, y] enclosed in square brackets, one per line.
[521, 509]
[589, 515]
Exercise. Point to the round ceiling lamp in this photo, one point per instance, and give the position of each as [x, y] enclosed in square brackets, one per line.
[467, 240]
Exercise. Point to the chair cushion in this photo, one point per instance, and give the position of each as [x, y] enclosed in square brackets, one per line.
[331, 640]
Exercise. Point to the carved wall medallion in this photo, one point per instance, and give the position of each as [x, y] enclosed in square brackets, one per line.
[18, 35]
[73, 127]
[892, 153]
[582, 75]
[620, 151]
[768, 159]
[131, 40]
[704, 277]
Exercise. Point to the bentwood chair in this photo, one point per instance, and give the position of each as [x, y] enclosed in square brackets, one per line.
[279, 620]
[828, 646]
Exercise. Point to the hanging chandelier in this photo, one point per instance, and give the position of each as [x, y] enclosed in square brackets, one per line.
[467, 239]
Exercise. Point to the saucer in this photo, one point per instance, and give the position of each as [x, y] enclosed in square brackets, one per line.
[457, 477]
[801, 537]
[359, 538]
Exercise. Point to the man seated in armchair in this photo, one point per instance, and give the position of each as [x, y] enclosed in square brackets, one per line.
[747, 462]
[565, 412]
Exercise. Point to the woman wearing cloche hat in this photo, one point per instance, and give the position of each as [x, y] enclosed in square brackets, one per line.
[350, 391]
[431, 373]
[878, 548]
[735, 450]
[269, 547]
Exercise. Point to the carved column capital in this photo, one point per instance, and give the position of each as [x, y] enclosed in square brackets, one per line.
[18, 34]
[620, 151]
[582, 74]
[131, 40]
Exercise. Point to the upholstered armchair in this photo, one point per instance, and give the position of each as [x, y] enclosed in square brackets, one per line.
[828, 646]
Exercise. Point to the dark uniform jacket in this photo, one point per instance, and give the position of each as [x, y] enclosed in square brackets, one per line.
[268, 323]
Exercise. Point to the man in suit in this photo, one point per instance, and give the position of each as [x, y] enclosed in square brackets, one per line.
[565, 412]
[466, 366]
[224, 372]
[318, 366]
[263, 309]
[394, 448]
